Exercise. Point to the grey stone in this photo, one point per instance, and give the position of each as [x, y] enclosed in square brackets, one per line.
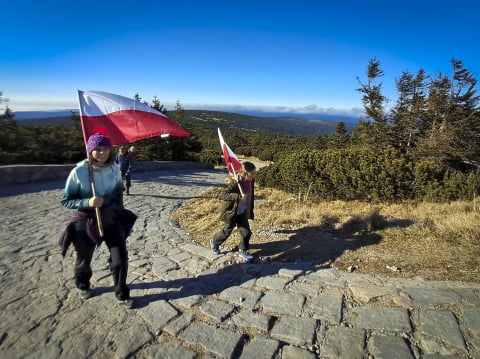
[292, 352]
[310, 289]
[169, 350]
[344, 343]
[290, 272]
[187, 302]
[295, 330]
[441, 325]
[216, 310]
[260, 348]
[430, 297]
[283, 303]
[247, 319]
[178, 324]
[326, 276]
[241, 296]
[179, 257]
[275, 283]
[471, 318]
[325, 307]
[130, 339]
[214, 340]
[389, 347]
[394, 319]
[158, 313]
[162, 265]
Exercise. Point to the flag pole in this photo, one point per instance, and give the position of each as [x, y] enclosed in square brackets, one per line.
[90, 170]
[236, 179]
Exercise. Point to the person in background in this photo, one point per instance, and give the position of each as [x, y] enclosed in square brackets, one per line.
[238, 209]
[132, 153]
[83, 231]
[123, 159]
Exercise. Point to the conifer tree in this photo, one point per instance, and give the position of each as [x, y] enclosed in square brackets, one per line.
[452, 122]
[340, 137]
[374, 103]
[407, 115]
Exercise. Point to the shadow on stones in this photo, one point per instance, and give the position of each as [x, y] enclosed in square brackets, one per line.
[329, 241]
[205, 284]
[323, 244]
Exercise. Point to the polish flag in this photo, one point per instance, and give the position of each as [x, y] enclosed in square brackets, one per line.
[232, 162]
[123, 120]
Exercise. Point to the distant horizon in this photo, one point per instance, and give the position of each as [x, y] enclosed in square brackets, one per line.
[346, 115]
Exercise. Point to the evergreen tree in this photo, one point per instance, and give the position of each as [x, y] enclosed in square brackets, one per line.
[452, 122]
[362, 134]
[10, 136]
[158, 106]
[464, 113]
[374, 103]
[340, 137]
[408, 114]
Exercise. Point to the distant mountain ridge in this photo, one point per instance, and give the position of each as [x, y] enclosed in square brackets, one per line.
[294, 126]
[35, 115]
[284, 125]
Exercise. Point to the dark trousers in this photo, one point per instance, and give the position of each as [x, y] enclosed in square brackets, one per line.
[241, 221]
[118, 261]
[127, 178]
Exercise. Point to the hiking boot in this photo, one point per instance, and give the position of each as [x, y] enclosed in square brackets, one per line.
[214, 248]
[127, 303]
[245, 255]
[85, 293]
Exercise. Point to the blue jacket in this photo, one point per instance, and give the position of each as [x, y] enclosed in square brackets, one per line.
[124, 162]
[78, 189]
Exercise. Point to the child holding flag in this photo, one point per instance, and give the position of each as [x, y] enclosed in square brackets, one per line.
[238, 209]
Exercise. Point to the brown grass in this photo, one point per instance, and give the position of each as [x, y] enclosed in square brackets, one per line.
[432, 241]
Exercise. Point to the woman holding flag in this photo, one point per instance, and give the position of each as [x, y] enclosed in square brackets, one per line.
[238, 209]
[94, 189]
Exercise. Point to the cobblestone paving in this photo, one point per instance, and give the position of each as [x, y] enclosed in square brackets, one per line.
[191, 303]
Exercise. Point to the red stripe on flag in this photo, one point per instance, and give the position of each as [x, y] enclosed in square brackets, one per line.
[131, 125]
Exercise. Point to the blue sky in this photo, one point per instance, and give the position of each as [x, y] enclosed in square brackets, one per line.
[302, 55]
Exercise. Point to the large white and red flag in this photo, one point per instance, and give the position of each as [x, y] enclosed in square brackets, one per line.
[231, 160]
[122, 119]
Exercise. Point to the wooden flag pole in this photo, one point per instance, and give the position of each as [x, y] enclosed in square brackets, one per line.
[90, 171]
[97, 210]
[236, 178]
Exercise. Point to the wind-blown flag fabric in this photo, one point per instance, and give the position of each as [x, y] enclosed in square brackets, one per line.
[122, 119]
[231, 160]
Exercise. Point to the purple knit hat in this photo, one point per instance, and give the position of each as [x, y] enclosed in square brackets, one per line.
[97, 140]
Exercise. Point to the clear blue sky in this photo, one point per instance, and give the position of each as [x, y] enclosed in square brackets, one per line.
[302, 54]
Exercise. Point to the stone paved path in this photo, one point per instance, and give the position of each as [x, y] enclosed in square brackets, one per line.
[193, 304]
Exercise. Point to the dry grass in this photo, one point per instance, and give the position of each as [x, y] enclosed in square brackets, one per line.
[432, 241]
